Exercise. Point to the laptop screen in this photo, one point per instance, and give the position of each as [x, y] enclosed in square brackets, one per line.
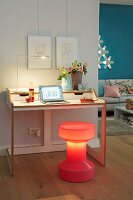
[51, 93]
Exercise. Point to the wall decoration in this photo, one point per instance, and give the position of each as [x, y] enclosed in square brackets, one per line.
[66, 51]
[39, 52]
[103, 59]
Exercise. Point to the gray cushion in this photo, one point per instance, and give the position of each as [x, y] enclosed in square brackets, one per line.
[123, 98]
[110, 100]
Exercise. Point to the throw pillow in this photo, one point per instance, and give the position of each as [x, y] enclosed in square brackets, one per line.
[130, 90]
[111, 91]
[123, 85]
[100, 89]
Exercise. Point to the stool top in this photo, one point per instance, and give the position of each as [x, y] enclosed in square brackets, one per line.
[78, 131]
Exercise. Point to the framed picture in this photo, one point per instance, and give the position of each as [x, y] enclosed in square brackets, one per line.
[39, 52]
[66, 51]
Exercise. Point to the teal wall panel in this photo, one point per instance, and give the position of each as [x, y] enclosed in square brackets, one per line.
[116, 30]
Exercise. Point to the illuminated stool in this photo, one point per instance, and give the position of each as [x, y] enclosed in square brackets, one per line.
[76, 168]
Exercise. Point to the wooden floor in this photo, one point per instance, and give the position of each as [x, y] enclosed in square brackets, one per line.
[36, 176]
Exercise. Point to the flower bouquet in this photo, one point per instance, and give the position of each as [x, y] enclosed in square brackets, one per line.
[76, 70]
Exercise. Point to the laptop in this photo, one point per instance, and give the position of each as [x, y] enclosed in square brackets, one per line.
[51, 94]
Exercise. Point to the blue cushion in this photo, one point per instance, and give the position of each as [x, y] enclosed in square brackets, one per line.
[100, 89]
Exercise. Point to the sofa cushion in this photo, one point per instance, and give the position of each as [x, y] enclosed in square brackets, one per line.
[130, 90]
[101, 84]
[110, 100]
[123, 98]
[124, 85]
[111, 91]
[100, 88]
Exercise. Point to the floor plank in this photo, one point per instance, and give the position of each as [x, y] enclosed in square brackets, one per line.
[36, 176]
[64, 197]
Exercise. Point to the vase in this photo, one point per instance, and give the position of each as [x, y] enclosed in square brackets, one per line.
[76, 79]
[66, 84]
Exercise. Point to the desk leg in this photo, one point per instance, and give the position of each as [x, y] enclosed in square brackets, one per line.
[10, 153]
[47, 129]
[12, 141]
[100, 157]
[103, 136]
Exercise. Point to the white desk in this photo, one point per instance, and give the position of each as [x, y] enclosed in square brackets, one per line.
[19, 105]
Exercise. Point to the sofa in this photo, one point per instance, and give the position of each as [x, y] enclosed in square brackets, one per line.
[115, 92]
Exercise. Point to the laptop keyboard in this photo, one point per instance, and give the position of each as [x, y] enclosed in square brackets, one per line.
[55, 102]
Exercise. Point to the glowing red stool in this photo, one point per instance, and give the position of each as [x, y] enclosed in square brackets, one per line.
[76, 168]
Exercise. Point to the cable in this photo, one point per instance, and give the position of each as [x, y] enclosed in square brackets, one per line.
[66, 17]
[38, 27]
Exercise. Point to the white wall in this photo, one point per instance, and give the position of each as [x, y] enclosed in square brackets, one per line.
[19, 18]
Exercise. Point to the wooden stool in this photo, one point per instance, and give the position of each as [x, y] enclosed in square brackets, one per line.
[76, 168]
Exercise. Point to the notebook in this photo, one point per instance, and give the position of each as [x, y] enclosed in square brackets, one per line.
[51, 94]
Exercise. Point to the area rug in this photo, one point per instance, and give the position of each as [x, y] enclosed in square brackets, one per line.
[114, 127]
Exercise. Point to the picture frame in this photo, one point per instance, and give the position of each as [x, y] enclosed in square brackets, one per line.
[66, 51]
[39, 52]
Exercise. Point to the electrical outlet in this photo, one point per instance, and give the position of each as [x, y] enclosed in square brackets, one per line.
[38, 133]
[31, 131]
[34, 131]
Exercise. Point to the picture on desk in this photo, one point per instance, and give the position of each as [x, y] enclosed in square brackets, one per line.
[51, 93]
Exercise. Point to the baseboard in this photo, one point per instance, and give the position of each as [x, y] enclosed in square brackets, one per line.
[95, 143]
[3, 151]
